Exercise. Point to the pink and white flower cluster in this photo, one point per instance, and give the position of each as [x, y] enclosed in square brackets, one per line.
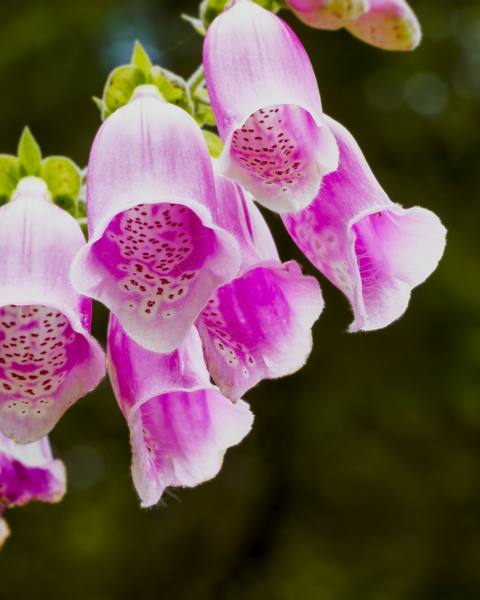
[184, 260]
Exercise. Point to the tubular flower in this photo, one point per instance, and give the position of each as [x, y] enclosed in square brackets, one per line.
[389, 24]
[47, 357]
[328, 14]
[28, 472]
[259, 324]
[154, 256]
[267, 107]
[373, 250]
[180, 423]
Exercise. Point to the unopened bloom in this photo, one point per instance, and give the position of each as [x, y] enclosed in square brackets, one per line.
[373, 250]
[180, 424]
[389, 24]
[154, 256]
[47, 357]
[267, 107]
[28, 472]
[259, 324]
[328, 14]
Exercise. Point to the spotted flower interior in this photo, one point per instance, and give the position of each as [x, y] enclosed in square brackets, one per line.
[38, 348]
[277, 150]
[153, 252]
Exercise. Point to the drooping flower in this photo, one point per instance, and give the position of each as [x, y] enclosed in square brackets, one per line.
[259, 324]
[267, 107]
[28, 472]
[373, 250]
[389, 24]
[180, 423]
[47, 357]
[155, 255]
[328, 14]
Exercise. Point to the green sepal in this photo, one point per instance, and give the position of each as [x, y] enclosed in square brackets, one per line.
[63, 180]
[141, 60]
[204, 115]
[10, 175]
[29, 154]
[203, 109]
[214, 143]
[172, 87]
[197, 24]
[81, 209]
[272, 5]
[98, 103]
[210, 9]
[120, 87]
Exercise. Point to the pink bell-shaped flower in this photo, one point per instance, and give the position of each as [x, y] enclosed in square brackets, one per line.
[154, 256]
[267, 107]
[47, 357]
[28, 472]
[259, 324]
[328, 14]
[373, 250]
[180, 423]
[389, 24]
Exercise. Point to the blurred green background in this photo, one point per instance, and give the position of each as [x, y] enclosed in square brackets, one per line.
[361, 477]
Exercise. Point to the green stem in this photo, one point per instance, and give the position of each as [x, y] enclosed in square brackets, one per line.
[196, 79]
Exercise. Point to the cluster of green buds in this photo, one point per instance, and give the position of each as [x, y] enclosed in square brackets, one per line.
[191, 95]
[64, 179]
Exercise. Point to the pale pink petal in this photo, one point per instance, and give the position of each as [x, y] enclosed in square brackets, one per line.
[29, 472]
[371, 249]
[267, 107]
[259, 324]
[180, 423]
[328, 14]
[238, 215]
[389, 24]
[155, 255]
[47, 357]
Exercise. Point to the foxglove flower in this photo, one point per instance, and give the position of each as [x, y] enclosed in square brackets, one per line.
[389, 24]
[259, 324]
[328, 14]
[47, 357]
[154, 256]
[28, 472]
[267, 107]
[180, 423]
[374, 251]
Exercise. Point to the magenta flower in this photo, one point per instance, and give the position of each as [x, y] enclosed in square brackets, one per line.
[259, 324]
[47, 357]
[154, 256]
[180, 423]
[328, 14]
[389, 24]
[371, 249]
[267, 107]
[28, 472]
